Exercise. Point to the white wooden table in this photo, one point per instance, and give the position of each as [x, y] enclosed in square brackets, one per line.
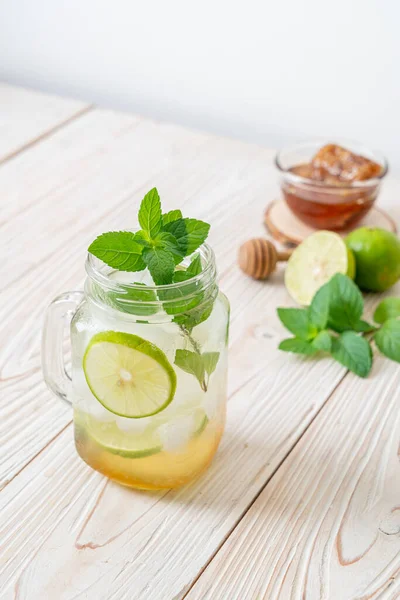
[303, 498]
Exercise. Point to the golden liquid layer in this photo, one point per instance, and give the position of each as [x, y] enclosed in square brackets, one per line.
[163, 470]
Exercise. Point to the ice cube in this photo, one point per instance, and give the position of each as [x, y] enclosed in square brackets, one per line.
[211, 333]
[177, 432]
[97, 410]
[211, 402]
[85, 401]
[216, 393]
[132, 425]
[188, 395]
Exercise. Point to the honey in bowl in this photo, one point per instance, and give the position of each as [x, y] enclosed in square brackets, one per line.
[334, 189]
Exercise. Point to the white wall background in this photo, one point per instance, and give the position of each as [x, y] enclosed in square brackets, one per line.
[270, 71]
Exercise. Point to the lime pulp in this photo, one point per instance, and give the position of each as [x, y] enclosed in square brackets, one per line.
[314, 262]
[129, 376]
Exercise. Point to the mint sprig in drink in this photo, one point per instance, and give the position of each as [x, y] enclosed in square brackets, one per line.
[149, 352]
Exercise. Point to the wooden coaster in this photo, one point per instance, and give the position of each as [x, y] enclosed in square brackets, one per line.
[285, 227]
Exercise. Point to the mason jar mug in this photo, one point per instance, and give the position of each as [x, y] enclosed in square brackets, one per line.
[148, 372]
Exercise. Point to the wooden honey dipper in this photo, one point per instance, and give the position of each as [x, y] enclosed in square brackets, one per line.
[258, 257]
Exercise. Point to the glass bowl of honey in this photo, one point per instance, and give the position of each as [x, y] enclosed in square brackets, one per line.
[330, 186]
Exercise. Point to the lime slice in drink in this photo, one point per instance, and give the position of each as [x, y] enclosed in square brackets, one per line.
[203, 422]
[127, 445]
[139, 444]
[128, 375]
[314, 262]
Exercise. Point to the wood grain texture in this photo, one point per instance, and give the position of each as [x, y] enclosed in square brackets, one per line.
[83, 180]
[327, 526]
[81, 534]
[26, 116]
[59, 191]
[157, 551]
[66, 532]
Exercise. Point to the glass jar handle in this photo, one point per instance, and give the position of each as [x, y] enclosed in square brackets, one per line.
[58, 316]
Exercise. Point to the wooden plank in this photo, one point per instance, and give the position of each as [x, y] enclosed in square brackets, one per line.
[327, 525]
[27, 116]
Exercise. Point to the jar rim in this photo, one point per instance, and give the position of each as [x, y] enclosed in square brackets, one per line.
[100, 273]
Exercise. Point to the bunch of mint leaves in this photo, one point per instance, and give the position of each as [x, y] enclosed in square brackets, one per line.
[161, 245]
[333, 324]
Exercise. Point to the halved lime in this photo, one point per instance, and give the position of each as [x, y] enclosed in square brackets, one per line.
[314, 262]
[128, 375]
[112, 439]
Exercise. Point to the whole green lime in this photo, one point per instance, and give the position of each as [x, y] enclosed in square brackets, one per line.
[377, 254]
[351, 264]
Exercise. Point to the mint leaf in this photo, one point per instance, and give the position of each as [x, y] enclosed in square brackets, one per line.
[143, 238]
[177, 228]
[297, 321]
[168, 241]
[389, 308]
[202, 303]
[193, 269]
[195, 266]
[319, 307]
[197, 364]
[339, 304]
[345, 303]
[150, 217]
[298, 346]
[353, 352]
[197, 315]
[192, 363]
[172, 215]
[322, 341]
[164, 240]
[134, 301]
[160, 263]
[181, 275]
[189, 233]
[177, 301]
[363, 327]
[196, 234]
[387, 338]
[119, 250]
[210, 361]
